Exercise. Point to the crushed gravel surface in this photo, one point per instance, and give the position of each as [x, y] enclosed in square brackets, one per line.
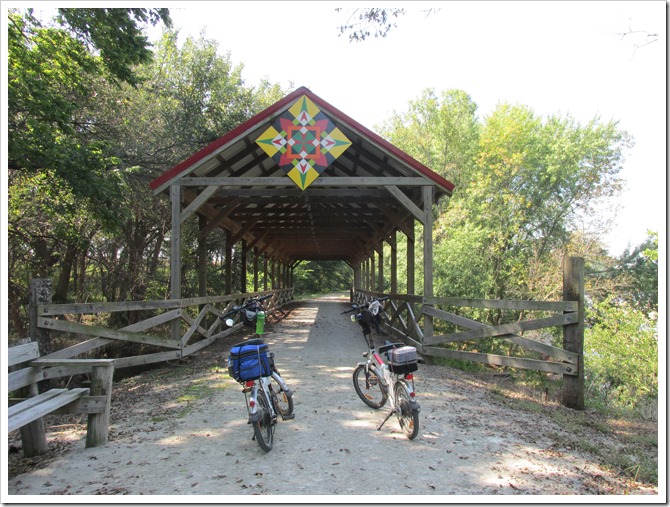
[182, 429]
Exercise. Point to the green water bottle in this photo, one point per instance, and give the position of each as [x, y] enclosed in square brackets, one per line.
[260, 322]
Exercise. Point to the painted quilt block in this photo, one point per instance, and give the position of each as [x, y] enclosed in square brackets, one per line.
[303, 141]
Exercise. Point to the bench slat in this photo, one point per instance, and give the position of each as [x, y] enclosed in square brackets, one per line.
[22, 353]
[41, 405]
[29, 403]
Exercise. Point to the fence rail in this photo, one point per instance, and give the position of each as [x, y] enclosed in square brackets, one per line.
[408, 318]
[404, 314]
[198, 320]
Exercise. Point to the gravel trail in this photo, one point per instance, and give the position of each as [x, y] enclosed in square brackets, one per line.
[166, 444]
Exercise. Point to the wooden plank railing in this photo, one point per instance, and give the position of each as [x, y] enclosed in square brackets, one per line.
[403, 320]
[406, 313]
[199, 319]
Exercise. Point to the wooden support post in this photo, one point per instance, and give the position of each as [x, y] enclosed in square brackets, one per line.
[98, 424]
[243, 267]
[33, 435]
[175, 256]
[394, 262]
[265, 272]
[410, 260]
[380, 259]
[202, 258]
[229, 263]
[373, 268]
[428, 256]
[40, 294]
[573, 334]
[255, 269]
[273, 274]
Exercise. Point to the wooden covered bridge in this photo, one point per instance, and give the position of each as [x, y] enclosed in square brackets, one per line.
[302, 181]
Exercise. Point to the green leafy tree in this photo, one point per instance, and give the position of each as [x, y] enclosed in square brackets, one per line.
[642, 265]
[52, 72]
[621, 356]
[440, 131]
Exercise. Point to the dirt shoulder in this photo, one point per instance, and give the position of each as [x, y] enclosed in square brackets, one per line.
[182, 429]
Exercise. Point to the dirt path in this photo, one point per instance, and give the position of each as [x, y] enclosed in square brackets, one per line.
[183, 431]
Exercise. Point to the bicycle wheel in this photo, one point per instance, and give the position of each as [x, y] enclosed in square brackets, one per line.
[408, 418]
[263, 427]
[283, 402]
[369, 388]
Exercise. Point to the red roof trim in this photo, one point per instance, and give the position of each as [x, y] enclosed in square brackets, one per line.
[260, 117]
[222, 141]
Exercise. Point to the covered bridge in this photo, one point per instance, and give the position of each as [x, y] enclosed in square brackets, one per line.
[303, 181]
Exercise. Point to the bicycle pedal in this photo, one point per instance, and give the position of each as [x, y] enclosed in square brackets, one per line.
[288, 417]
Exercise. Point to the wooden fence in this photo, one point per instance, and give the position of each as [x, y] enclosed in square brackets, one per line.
[406, 314]
[198, 320]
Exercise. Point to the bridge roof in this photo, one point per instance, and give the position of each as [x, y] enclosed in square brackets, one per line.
[364, 192]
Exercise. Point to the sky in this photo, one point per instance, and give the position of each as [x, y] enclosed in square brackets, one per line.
[562, 57]
[556, 57]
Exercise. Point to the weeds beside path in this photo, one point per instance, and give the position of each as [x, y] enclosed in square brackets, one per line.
[181, 430]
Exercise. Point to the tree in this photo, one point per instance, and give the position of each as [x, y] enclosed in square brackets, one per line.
[524, 186]
[361, 21]
[441, 131]
[51, 76]
[642, 265]
[621, 356]
[182, 99]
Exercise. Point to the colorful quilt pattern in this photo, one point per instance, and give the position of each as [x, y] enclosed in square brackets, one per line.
[303, 141]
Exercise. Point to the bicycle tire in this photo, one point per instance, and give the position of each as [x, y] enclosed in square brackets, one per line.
[370, 390]
[263, 427]
[282, 401]
[408, 418]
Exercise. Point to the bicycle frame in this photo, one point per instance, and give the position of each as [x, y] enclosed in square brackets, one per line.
[396, 386]
[263, 409]
[250, 391]
[376, 363]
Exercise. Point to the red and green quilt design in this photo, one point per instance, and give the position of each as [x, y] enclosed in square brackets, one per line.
[303, 141]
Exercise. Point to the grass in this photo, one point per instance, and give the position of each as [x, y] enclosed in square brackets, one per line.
[629, 445]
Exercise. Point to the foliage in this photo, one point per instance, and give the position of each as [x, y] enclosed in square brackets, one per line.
[621, 356]
[91, 224]
[441, 131]
[522, 185]
[51, 76]
[529, 190]
[311, 277]
[115, 35]
[642, 265]
[361, 21]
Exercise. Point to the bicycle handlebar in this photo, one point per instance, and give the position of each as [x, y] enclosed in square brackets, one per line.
[237, 309]
[365, 305]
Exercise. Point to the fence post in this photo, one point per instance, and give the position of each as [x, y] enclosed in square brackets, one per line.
[33, 435]
[40, 294]
[573, 334]
[101, 385]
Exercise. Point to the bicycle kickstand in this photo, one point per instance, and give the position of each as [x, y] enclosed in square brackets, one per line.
[387, 418]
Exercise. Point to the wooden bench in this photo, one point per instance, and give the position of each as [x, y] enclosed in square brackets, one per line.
[28, 412]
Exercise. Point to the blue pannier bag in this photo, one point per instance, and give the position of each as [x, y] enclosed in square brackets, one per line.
[249, 360]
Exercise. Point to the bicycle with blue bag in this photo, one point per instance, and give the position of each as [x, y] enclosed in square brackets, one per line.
[252, 365]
